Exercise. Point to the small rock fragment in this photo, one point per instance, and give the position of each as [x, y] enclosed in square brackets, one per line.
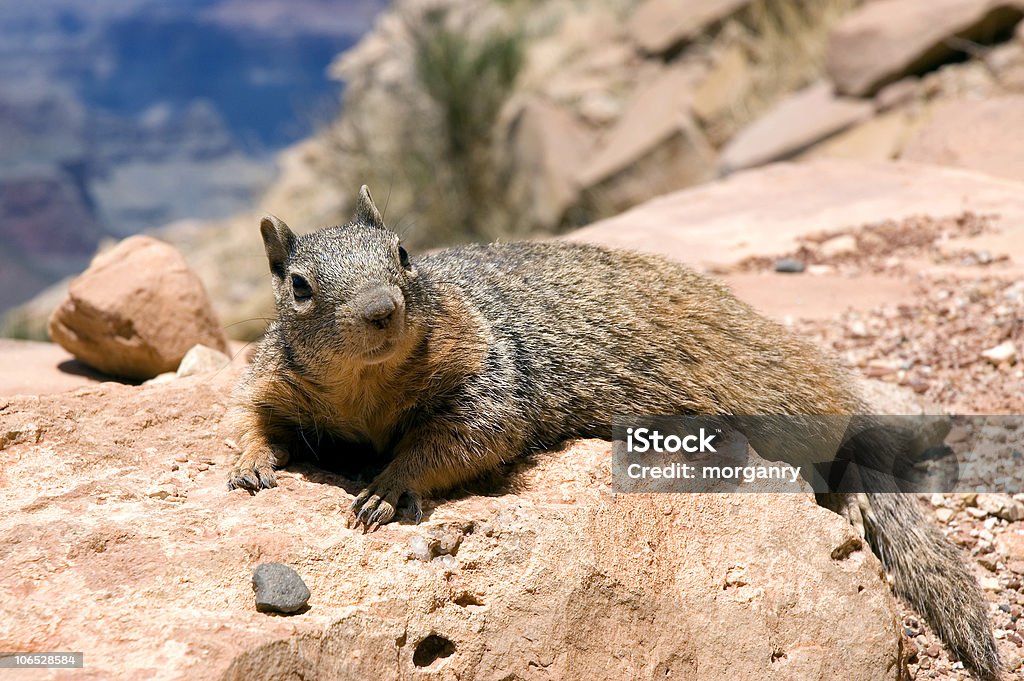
[419, 549]
[29, 432]
[447, 542]
[789, 266]
[165, 377]
[201, 359]
[441, 541]
[1001, 506]
[976, 512]
[162, 492]
[279, 589]
[450, 562]
[837, 246]
[858, 329]
[1004, 352]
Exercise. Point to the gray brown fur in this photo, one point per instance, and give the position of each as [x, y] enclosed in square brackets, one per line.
[456, 362]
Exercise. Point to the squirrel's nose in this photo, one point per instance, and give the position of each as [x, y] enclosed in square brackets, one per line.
[380, 310]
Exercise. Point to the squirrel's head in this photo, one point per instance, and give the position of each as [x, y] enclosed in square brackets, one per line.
[343, 293]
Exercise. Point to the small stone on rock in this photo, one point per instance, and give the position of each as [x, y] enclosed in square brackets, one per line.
[165, 377]
[201, 359]
[989, 583]
[789, 266]
[279, 589]
[450, 562]
[419, 549]
[975, 512]
[161, 492]
[1001, 506]
[844, 244]
[1004, 352]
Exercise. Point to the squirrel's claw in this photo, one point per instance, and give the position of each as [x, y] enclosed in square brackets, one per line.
[252, 477]
[375, 507]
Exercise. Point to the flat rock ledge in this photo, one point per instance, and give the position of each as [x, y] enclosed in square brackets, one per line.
[119, 539]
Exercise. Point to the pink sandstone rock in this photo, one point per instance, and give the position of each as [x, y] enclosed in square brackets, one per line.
[119, 539]
[136, 311]
[884, 40]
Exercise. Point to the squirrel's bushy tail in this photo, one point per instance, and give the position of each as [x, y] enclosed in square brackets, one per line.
[929, 573]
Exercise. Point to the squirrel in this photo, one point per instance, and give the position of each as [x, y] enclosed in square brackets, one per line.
[456, 362]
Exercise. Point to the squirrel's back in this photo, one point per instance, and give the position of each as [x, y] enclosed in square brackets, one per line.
[596, 332]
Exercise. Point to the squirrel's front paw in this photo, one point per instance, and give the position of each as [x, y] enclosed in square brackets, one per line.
[376, 504]
[253, 472]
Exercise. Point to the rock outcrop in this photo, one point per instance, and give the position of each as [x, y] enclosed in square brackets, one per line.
[547, 149]
[798, 122]
[764, 211]
[120, 539]
[986, 136]
[659, 26]
[655, 147]
[136, 311]
[884, 40]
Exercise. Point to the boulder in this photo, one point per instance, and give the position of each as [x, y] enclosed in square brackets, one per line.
[765, 211]
[136, 311]
[884, 40]
[799, 121]
[654, 147]
[553, 573]
[985, 135]
[659, 26]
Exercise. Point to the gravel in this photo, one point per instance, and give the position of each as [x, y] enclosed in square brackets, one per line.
[941, 347]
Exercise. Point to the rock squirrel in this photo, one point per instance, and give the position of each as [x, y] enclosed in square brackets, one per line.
[458, 361]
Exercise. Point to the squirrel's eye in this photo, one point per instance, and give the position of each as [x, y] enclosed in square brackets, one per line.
[301, 288]
[403, 256]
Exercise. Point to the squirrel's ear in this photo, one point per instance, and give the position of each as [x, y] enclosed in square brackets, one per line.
[366, 212]
[278, 241]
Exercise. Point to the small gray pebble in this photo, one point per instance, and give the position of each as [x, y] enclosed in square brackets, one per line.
[279, 589]
[789, 265]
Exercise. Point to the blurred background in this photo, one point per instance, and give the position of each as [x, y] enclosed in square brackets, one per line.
[122, 116]
[469, 119]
